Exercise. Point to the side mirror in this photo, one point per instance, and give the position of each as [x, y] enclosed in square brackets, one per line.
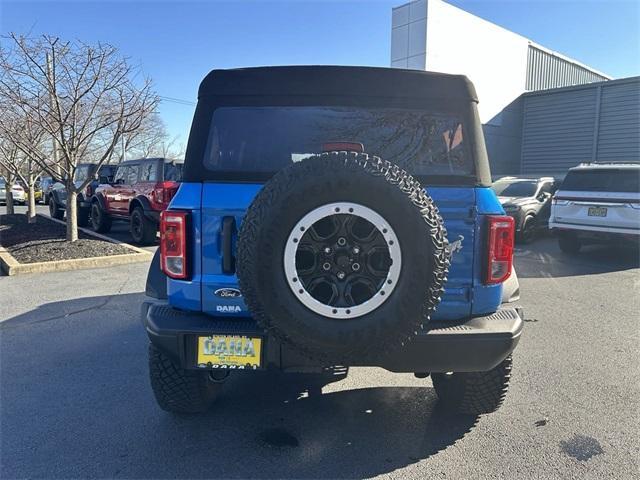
[119, 181]
[542, 196]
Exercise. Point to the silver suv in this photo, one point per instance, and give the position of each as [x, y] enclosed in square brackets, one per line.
[597, 203]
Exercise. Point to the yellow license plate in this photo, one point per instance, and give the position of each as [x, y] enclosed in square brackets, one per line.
[229, 351]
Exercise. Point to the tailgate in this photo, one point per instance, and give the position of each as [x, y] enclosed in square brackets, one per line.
[224, 206]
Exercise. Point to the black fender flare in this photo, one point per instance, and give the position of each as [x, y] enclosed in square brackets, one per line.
[99, 199]
[142, 201]
[55, 193]
[156, 286]
[527, 214]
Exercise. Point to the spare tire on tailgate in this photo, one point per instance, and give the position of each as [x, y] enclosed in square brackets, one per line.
[342, 256]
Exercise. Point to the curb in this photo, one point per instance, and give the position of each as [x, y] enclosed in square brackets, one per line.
[12, 267]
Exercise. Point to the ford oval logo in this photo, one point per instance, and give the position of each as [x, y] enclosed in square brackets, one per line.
[228, 293]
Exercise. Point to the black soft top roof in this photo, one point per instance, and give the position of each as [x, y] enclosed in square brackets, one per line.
[147, 159]
[337, 81]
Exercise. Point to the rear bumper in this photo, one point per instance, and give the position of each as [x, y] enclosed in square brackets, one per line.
[578, 228]
[475, 344]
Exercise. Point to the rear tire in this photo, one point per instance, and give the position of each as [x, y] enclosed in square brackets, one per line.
[474, 393]
[569, 243]
[142, 229]
[54, 210]
[528, 230]
[83, 216]
[100, 220]
[177, 390]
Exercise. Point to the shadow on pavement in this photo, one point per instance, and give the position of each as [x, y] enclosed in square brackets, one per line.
[543, 259]
[76, 402]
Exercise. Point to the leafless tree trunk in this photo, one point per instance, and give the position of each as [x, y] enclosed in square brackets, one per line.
[31, 210]
[31, 183]
[20, 167]
[9, 194]
[71, 211]
[84, 97]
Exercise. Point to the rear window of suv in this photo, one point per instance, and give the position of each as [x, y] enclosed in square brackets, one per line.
[264, 140]
[603, 180]
[173, 172]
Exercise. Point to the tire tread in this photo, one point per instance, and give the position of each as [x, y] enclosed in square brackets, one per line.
[371, 165]
[178, 390]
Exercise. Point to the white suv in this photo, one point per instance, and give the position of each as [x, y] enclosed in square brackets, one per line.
[597, 203]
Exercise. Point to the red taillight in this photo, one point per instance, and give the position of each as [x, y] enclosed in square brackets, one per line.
[164, 192]
[501, 231]
[173, 244]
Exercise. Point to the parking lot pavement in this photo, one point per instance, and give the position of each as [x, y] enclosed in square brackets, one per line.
[75, 399]
[119, 230]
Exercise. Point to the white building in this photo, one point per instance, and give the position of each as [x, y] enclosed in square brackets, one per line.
[433, 35]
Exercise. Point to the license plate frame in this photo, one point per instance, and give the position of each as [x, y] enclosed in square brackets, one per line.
[229, 352]
[597, 212]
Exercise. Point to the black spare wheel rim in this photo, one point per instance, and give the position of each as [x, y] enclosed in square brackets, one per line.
[342, 256]
[342, 260]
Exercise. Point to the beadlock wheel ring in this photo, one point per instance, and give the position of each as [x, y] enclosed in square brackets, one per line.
[383, 229]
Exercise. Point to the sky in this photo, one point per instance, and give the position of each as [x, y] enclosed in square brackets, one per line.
[177, 43]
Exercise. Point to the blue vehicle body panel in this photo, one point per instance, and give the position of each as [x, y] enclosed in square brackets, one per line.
[220, 200]
[462, 209]
[486, 298]
[186, 294]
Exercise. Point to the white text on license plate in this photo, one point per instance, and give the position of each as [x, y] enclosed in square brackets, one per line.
[229, 351]
[597, 212]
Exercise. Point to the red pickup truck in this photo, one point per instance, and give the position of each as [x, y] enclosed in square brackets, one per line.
[139, 191]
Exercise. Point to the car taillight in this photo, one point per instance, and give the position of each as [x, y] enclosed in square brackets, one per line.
[164, 192]
[173, 244]
[501, 231]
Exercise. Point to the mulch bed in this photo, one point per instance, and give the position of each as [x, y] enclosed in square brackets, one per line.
[44, 241]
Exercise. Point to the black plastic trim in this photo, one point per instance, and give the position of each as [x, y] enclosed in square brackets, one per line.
[228, 230]
[475, 344]
[156, 286]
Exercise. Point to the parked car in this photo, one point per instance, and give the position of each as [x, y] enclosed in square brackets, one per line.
[140, 190]
[287, 249]
[57, 196]
[37, 192]
[597, 203]
[528, 201]
[46, 184]
[19, 195]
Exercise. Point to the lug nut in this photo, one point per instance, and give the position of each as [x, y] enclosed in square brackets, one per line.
[342, 241]
[340, 275]
[355, 267]
[326, 266]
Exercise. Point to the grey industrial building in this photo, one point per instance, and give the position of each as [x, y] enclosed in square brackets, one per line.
[542, 112]
[546, 132]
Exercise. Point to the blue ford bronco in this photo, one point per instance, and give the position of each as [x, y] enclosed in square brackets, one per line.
[333, 216]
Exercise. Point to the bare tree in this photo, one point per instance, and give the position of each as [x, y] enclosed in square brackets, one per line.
[22, 167]
[150, 140]
[9, 181]
[85, 97]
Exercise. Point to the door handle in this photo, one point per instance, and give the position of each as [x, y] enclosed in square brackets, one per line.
[228, 229]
